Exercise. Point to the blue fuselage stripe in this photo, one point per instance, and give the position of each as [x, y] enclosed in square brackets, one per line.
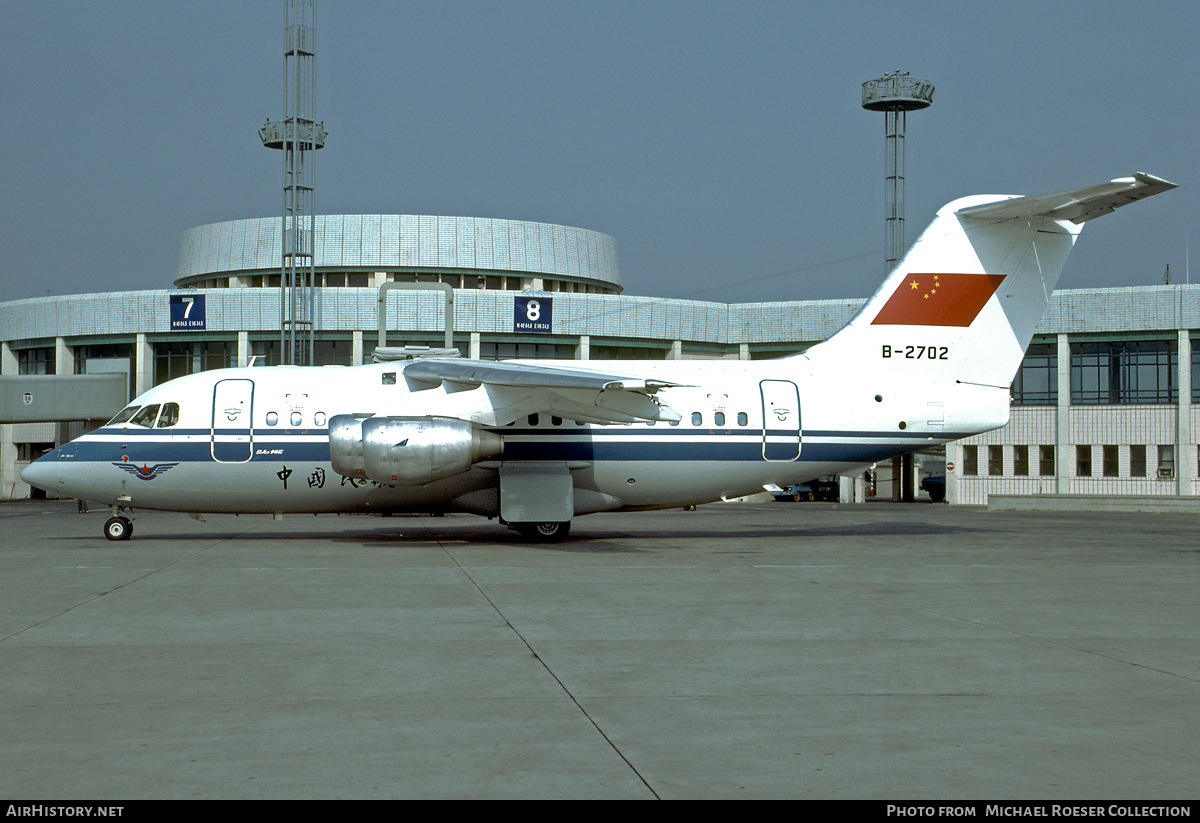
[607, 444]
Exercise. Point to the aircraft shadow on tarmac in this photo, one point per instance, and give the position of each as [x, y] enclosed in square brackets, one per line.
[403, 531]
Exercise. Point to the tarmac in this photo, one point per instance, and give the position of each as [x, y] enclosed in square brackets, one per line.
[874, 651]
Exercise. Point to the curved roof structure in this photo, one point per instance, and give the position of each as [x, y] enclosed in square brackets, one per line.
[407, 243]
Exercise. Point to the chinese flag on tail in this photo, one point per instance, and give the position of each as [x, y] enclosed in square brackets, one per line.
[938, 300]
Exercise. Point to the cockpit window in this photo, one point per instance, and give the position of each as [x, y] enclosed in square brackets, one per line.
[125, 414]
[145, 417]
[169, 416]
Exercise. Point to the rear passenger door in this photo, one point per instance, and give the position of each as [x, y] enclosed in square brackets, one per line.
[781, 420]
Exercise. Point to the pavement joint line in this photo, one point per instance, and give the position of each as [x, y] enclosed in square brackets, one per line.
[549, 671]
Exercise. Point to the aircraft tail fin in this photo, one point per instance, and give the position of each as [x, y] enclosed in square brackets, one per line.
[967, 296]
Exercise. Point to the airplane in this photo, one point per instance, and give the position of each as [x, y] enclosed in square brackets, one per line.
[928, 359]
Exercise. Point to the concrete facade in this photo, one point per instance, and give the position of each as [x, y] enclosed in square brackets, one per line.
[1121, 416]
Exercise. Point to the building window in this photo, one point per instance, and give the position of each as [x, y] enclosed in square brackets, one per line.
[971, 460]
[333, 353]
[995, 460]
[1166, 461]
[1036, 383]
[1083, 461]
[1112, 466]
[35, 361]
[266, 352]
[1046, 461]
[177, 358]
[1195, 370]
[602, 352]
[1137, 461]
[1021, 461]
[32, 451]
[106, 351]
[526, 351]
[1140, 371]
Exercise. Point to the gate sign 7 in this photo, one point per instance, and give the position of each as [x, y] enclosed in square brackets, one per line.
[187, 312]
[532, 314]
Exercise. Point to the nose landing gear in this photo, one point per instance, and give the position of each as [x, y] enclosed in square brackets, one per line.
[118, 528]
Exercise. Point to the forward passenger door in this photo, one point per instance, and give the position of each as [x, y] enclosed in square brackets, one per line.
[232, 421]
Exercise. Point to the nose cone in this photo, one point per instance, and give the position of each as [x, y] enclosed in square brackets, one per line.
[43, 472]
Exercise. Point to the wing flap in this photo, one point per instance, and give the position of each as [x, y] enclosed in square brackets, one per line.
[590, 396]
[523, 375]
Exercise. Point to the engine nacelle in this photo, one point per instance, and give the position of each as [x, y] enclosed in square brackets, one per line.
[407, 451]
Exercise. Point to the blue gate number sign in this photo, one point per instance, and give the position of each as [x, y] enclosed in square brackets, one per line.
[532, 314]
[187, 312]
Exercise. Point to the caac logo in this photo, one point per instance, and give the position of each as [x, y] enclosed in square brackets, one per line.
[145, 472]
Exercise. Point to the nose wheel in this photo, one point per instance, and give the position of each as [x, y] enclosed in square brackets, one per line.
[118, 528]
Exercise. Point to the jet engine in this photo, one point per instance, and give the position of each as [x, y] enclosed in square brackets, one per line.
[407, 451]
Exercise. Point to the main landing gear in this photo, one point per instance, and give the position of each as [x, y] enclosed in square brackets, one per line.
[549, 532]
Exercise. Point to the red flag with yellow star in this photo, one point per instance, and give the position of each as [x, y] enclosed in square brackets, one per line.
[938, 300]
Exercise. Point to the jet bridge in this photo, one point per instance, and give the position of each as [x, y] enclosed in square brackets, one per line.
[56, 398]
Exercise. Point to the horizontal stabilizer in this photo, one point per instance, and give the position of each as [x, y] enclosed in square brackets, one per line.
[1077, 205]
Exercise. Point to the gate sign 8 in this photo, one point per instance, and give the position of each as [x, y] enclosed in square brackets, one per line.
[532, 314]
[187, 312]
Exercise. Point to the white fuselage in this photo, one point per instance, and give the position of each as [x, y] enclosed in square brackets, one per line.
[256, 439]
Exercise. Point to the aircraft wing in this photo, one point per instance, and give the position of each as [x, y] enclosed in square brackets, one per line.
[586, 395]
[1077, 205]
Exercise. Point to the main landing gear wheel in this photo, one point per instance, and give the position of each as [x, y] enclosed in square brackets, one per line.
[118, 528]
[549, 532]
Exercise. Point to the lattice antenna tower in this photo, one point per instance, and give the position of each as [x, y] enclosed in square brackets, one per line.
[895, 95]
[298, 135]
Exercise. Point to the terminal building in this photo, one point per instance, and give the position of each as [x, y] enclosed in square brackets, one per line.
[1103, 403]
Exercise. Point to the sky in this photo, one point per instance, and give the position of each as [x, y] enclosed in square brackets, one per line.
[723, 144]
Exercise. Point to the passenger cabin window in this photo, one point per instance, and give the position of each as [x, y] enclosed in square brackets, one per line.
[145, 417]
[272, 419]
[296, 419]
[697, 419]
[319, 418]
[743, 419]
[719, 418]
